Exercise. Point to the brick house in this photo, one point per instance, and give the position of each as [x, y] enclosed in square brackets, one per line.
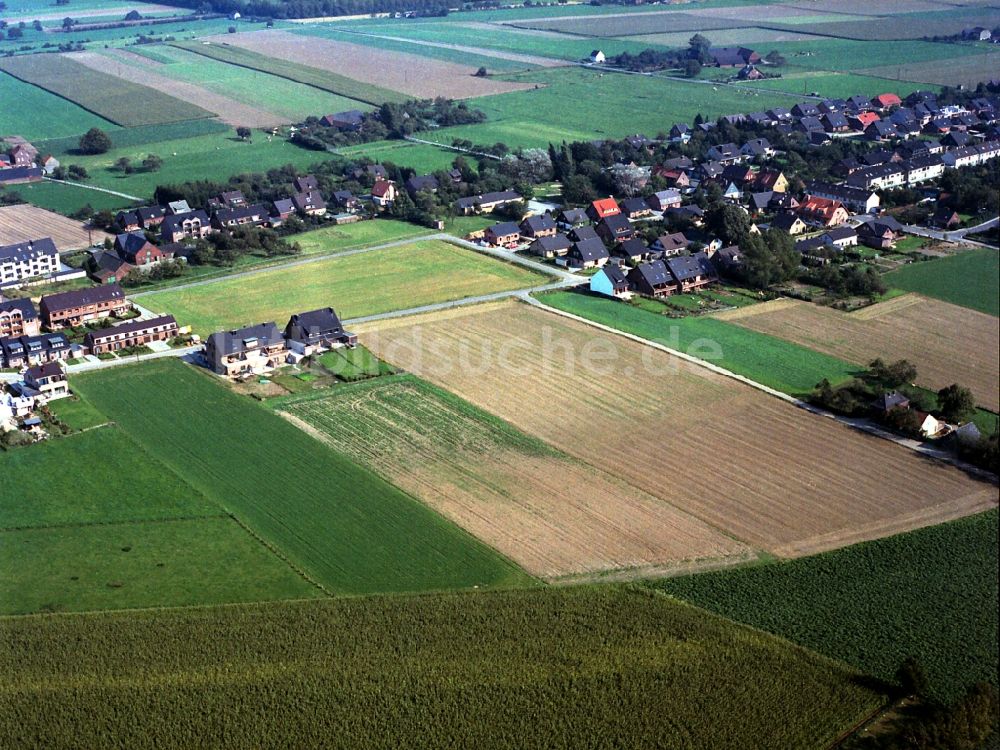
[18, 317]
[131, 334]
[81, 305]
[246, 351]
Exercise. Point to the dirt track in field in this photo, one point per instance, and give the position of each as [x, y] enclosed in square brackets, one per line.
[752, 465]
[398, 71]
[948, 344]
[229, 110]
[553, 515]
[24, 222]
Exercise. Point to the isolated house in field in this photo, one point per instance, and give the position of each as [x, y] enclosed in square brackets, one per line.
[611, 282]
[132, 334]
[555, 246]
[534, 227]
[246, 351]
[317, 330]
[603, 208]
[504, 234]
[18, 317]
[83, 305]
[597, 56]
[651, 279]
[348, 121]
[384, 193]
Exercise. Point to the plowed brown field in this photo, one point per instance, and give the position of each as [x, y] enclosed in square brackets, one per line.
[552, 514]
[23, 222]
[409, 74]
[948, 344]
[757, 467]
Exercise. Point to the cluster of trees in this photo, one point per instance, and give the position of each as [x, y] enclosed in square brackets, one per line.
[391, 120]
[690, 60]
[151, 163]
[94, 141]
[847, 279]
[168, 269]
[315, 8]
[223, 249]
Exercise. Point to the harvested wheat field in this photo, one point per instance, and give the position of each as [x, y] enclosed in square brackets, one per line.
[553, 515]
[228, 110]
[24, 222]
[750, 464]
[414, 75]
[948, 344]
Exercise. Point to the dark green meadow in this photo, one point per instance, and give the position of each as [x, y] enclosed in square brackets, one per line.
[590, 667]
[968, 279]
[348, 529]
[930, 593]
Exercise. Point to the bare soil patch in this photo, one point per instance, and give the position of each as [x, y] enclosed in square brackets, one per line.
[24, 222]
[553, 515]
[948, 344]
[414, 75]
[542, 62]
[228, 110]
[750, 464]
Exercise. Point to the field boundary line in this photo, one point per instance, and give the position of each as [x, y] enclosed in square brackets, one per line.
[94, 187]
[124, 522]
[862, 425]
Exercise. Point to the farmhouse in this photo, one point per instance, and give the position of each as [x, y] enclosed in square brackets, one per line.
[132, 334]
[611, 282]
[651, 279]
[732, 57]
[551, 247]
[317, 330]
[190, 224]
[18, 317]
[602, 208]
[347, 121]
[246, 351]
[23, 351]
[503, 234]
[27, 260]
[691, 272]
[486, 202]
[81, 305]
[19, 175]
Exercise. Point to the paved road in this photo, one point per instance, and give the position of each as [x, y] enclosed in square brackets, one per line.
[94, 187]
[450, 147]
[953, 235]
[104, 364]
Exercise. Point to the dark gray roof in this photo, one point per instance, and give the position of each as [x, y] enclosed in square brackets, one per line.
[174, 221]
[614, 274]
[22, 252]
[583, 233]
[617, 223]
[686, 267]
[238, 340]
[131, 242]
[631, 248]
[308, 326]
[539, 223]
[635, 205]
[497, 197]
[553, 243]
[653, 273]
[588, 250]
[133, 326]
[573, 216]
[840, 233]
[504, 228]
[82, 297]
[150, 212]
[225, 215]
[25, 305]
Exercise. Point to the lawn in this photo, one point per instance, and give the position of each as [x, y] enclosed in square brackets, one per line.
[833, 84]
[352, 93]
[122, 102]
[344, 526]
[931, 594]
[142, 564]
[76, 413]
[41, 114]
[779, 364]
[404, 276]
[552, 112]
[68, 199]
[65, 149]
[594, 667]
[353, 364]
[360, 234]
[969, 279]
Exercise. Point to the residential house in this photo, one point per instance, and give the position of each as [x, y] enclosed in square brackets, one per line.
[346, 200]
[615, 228]
[20, 175]
[880, 177]
[840, 237]
[709, 170]
[823, 211]
[587, 254]
[757, 148]
[725, 153]
[676, 177]
[862, 120]
[131, 334]
[922, 168]
[877, 234]
[664, 199]
[24, 351]
[424, 183]
[611, 282]
[128, 221]
[48, 380]
[131, 250]
[635, 208]
[835, 122]
[732, 57]
[534, 227]
[347, 121]
[956, 139]
[738, 174]
[305, 183]
[238, 216]
[150, 216]
[309, 202]
[783, 203]
[190, 224]
[885, 102]
[246, 351]
[633, 250]
[505, 233]
[652, 279]
[859, 200]
[808, 125]
[944, 218]
[317, 330]
[759, 203]
[692, 213]
[384, 193]
[732, 193]
[571, 217]
[603, 208]
[597, 56]
[691, 272]
[789, 223]
[670, 244]
[773, 180]
[583, 233]
[805, 109]
[175, 208]
[780, 114]
[18, 317]
[749, 73]
[279, 211]
[970, 156]
[28, 260]
[977, 34]
[881, 131]
[680, 133]
[486, 203]
[82, 305]
[728, 260]
[554, 246]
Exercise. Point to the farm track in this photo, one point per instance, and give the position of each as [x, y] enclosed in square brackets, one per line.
[764, 471]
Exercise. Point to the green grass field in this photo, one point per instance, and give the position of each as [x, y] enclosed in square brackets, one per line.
[65, 149]
[255, 87]
[779, 364]
[418, 156]
[404, 276]
[347, 528]
[41, 114]
[968, 279]
[122, 102]
[833, 84]
[567, 667]
[67, 199]
[930, 593]
[143, 564]
[360, 234]
[350, 91]
[76, 413]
